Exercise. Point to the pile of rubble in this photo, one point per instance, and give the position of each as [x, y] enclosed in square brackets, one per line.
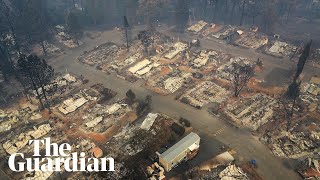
[170, 82]
[204, 93]
[203, 58]
[251, 40]
[310, 168]
[14, 145]
[77, 100]
[100, 117]
[206, 60]
[143, 68]
[225, 33]
[134, 139]
[233, 172]
[119, 65]
[311, 94]
[211, 29]
[175, 50]
[196, 28]
[60, 85]
[9, 118]
[225, 71]
[296, 145]
[101, 54]
[252, 112]
[281, 49]
[65, 39]
[155, 172]
[39, 175]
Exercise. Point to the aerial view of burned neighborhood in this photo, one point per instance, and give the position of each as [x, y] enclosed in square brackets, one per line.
[160, 89]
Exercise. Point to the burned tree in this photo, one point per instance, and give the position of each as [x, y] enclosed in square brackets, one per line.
[74, 26]
[35, 73]
[241, 76]
[182, 14]
[131, 95]
[6, 66]
[8, 29]
[35, 23]
[146, 40]
[126, 28]
[144, 106]
[289, 101]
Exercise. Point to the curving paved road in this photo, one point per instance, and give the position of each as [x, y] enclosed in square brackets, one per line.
[205, 124]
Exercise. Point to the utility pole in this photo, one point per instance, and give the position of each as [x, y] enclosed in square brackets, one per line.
[126, 26]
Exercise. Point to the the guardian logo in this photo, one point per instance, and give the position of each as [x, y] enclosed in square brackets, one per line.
[61, 155]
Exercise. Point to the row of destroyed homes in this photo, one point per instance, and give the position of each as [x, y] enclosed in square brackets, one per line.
[249, 38]
[259, 112]
[91, 120]
[197, 77]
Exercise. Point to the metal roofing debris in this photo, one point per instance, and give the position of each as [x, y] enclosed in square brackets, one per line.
[70, 78]
[70, 105]
[251, 40]
[40, 131]
[94, 122]
[118, 65]
[114, 108]
[225, 32]
[139, 66]
[178, 47]
[180, 146]
[144, 70]
[201, 59]
[148, 121]
[198, 26]
[282, 48]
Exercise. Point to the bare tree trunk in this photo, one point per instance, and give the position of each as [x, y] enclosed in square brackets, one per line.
[126, 29]
[242, 12]
[289, 119]
[232, 11]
